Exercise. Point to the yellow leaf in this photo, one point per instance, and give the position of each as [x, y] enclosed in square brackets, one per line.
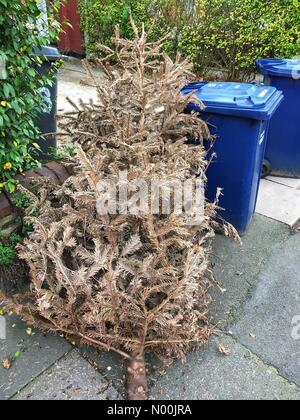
[29, 331]
[7, 166]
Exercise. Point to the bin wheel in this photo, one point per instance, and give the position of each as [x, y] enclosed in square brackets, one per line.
[267, 169]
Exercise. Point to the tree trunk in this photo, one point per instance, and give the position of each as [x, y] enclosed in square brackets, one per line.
[137, 385]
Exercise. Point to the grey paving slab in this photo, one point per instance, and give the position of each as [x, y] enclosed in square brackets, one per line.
[72, 83]
[289, 182]
[71, 378]
[109, 364]
[237, 267]
[272, 311]
[38, 352]
[279, 202]
[209, 375]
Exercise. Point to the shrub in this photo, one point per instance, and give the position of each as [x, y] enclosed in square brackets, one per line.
[232, 34]
[225, 34]
[20, 83]
[7, 254]
[99, 18]
[13, 228]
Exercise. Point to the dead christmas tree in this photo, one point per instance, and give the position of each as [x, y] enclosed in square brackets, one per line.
[127, 281]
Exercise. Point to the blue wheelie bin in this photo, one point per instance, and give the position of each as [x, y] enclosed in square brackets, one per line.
[283, 145]
[47, 119]
[238, 115]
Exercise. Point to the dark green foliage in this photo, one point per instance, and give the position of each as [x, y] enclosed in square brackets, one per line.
[7, 254]
[232, 34]
[99, 18]
[21, 200]
[220, 34]
[15, 230]
[20, 96]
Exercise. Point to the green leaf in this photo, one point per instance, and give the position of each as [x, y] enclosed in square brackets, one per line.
[6, 90]
[17, 354]
[31, 72]
[16, 107]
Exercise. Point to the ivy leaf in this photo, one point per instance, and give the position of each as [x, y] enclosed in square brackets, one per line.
[6, 90]
[31, 72]
[16, 107]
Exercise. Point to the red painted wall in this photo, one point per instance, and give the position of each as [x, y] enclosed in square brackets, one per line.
[71, 40]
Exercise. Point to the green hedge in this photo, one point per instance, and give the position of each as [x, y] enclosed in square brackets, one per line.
[227, 34]
[99, 18]
[20, 83]
[233, 33]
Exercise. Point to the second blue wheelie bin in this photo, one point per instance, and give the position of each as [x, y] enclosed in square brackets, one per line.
[283, 145]
[238, 115]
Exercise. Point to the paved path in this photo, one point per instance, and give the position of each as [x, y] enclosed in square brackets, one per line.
[279, 199]
[74, 83]
[70, 378]
[259, 308]
[48, 368]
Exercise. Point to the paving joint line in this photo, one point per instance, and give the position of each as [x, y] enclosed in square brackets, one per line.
[265, 362]
[41, 373]
[280, 183]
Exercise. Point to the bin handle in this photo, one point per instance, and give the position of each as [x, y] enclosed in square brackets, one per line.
[242, 99]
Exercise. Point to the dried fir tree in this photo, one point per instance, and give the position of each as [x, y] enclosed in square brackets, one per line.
[138, 282]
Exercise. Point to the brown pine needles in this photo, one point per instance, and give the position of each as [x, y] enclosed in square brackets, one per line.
[130, 283]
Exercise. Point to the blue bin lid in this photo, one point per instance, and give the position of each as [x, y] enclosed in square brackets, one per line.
[236, 99]
[279, 67]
